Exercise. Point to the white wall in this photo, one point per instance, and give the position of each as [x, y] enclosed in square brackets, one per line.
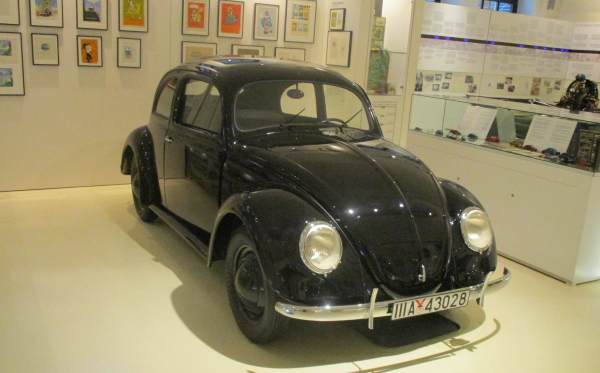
[397, 28]
[580, 10]
[69, 128]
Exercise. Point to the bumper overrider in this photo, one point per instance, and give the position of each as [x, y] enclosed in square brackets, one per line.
[382, 309]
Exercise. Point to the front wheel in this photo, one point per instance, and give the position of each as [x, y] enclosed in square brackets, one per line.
[139, 190]
[251, 298]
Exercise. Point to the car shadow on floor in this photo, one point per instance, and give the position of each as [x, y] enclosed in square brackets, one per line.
[202, 305]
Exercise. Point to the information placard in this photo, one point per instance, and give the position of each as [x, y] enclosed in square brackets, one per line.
[476, 120]
[550, 132]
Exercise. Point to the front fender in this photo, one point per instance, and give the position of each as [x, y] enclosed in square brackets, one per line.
[140, 143]
[467, 267]
[275, 219]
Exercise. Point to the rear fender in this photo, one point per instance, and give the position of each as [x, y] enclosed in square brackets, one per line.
[140, 143]
[275, 219]
[467, 266]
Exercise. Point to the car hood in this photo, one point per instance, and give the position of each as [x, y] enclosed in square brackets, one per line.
[384, 199]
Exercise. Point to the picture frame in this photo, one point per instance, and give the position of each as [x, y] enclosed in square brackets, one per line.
[129, 53]
[248, 50]
[191, 50]
[337, 19]
[339, 48]
[12, 82]
[44, 49]
[300, 17]
[294, 54]
[89, 51]
[195, 17]
[11, 15]
[46, 13]
[92, 14]
[231, 19]
[133, 15]
[266, 21]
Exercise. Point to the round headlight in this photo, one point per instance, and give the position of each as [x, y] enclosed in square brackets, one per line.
[476, 229]
[320, 247]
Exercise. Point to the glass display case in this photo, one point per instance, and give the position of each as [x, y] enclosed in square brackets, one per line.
[560, 136]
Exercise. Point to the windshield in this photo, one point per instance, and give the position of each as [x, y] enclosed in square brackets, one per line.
[287, 104]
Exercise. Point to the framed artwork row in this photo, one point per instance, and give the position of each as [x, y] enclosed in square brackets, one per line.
[191, 50]
[11, 64]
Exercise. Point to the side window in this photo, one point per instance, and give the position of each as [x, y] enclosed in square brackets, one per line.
[345, 105]
[201, 106]
[164, 98]
[304, 100]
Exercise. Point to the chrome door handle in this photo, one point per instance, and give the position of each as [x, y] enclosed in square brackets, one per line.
[168, 139]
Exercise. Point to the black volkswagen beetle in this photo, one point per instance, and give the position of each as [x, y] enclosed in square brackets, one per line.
[280, 169]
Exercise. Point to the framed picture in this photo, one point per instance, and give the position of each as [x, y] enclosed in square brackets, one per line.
[129, 52]
[89, 51]
[11, 64]
[249, 50]
[44, 48]
[46, 13]
[133, 15]
[231, 19]
[297, 54]
[337, 19]
[192, 50]
[92, 14]
[9, 15]
[266, 21]
[196, 15]
[339, 45]
[300, 18]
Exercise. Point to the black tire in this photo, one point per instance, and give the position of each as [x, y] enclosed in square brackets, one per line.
[139, 190]
[251, 298]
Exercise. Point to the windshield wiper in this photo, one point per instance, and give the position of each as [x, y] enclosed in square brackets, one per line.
[294, 117]
[352, 117]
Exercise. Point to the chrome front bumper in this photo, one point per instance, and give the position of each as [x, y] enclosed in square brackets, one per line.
[379, 309]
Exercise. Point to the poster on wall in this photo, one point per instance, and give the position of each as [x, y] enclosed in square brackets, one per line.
[248, 50]
[90, 51]
[339, 45]
[44, 49]
[46, 13]
[300, 16]
[296, 54]
[192, 50]
[92, 14]
[133, 15]
[266, 21]
[196, 15]
[337, 19]
[231, 19]
[11, 64]
[9, 12]
[129, 52]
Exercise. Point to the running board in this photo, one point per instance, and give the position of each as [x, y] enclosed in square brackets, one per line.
[184, 229]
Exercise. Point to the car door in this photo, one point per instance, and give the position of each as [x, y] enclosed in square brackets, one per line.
[193, 153]
[160, 119]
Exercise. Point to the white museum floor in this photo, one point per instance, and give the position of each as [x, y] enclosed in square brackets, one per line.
[85, 286]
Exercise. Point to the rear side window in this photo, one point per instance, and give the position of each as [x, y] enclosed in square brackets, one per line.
[201, 106]
[164, 98]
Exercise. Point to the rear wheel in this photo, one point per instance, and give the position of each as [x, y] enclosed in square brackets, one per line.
[251, 298]
[139, 190]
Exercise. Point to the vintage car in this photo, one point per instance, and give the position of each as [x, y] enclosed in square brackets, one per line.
[280, 169]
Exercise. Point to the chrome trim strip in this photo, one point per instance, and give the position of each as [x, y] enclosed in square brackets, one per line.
[375, 309]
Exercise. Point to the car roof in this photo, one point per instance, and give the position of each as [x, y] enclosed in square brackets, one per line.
[234, 72]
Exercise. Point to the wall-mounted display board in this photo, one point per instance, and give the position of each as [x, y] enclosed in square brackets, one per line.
[9, 12]
[522, 29]
[586, 36]
[529, 62]
[92, 14]
[48, 13]
[11, 64]
[449, 55]
[455, 21]
[133, 15]
[196, 17]
[300, 17]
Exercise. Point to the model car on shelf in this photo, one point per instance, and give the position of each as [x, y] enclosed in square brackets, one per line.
[280, 169]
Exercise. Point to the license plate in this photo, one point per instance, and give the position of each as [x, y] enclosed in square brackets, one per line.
[431, 304]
